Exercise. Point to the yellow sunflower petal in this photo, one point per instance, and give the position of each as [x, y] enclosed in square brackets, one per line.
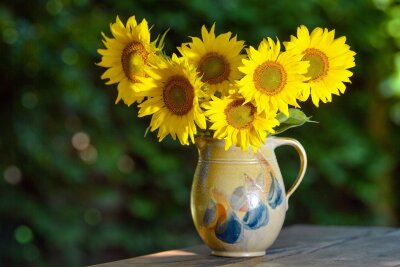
[238, 123]
[126, 56]
[273, 79]
[173, 87]
[329, 60]
[216, 58]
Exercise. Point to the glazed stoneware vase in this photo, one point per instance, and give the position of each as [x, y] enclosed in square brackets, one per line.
[238, 199]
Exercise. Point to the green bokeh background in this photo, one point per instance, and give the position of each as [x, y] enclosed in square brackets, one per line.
[125, 195]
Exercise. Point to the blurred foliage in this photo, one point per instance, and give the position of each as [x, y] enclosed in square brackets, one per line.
[80, 184]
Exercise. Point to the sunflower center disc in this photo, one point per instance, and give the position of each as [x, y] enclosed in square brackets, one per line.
[269, 78]
[214, 68]
[133, 59]
[178, 95]
[238, 115]
[319, 64]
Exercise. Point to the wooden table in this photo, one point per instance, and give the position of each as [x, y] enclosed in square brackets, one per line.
[299, 245]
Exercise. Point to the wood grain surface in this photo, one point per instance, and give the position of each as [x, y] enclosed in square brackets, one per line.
[299, 245]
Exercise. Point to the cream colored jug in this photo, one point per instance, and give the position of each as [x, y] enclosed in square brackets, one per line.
[238, 199]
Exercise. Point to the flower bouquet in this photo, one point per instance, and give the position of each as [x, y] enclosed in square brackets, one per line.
[220, 88]
[229, 98]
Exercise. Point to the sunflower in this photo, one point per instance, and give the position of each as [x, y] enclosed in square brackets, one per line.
[238, 122]
[125, 56]
[273, 79]
[173, 90]
[216, 58]
[329, 59]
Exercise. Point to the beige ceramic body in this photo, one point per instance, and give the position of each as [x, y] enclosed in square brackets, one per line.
[238, 199]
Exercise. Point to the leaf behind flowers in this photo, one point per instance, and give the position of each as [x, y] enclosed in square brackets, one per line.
[296, 118]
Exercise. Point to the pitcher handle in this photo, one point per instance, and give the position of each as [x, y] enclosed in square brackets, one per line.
[280, 141]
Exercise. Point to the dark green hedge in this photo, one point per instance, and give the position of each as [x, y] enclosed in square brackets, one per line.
[125, 195]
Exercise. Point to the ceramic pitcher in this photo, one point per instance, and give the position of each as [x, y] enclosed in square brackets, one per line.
[238, 199]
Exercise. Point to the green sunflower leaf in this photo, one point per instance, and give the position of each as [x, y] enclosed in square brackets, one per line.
[147, 131]
[296, 118]
[159, 41]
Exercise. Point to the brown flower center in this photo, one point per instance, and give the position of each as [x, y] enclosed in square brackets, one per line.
[178, 95]
[238, 115]
[214, 68]
[133, 59]
[269, 78]
[319, 63]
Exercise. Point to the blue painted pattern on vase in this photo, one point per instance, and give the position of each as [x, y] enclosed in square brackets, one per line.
[223, 216]
[275, 195]
[256, 218]
[229, 230]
